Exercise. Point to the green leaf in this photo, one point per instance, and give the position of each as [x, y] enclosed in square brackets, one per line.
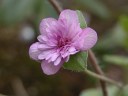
[124, 22]
[13, 11]
[117, 37]
[112, 91]
[77, 62]
[81, 19]
[118, 60]
[125, 91]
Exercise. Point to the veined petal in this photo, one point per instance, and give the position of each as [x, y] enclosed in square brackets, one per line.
[72, 50]
[50, 68]
[57, 61]
[42, 38]
[33, 51]
[45, 53]
[89, 38]
[46, 24]
[45, 40]
[55, 56]
[44, 47]
[69, 16]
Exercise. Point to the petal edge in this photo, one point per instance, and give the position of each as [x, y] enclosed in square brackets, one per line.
[33, 51]
[50, 68]
[89, 38]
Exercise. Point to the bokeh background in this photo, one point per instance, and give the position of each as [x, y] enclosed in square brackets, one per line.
[19, 27]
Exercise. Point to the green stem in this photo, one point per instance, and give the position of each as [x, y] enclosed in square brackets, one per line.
[101, 77]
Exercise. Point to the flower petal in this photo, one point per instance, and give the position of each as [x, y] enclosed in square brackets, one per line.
[33, 51]
[44, 47]
[72, 50]
[42, 39]
[69, 16]
[55, 56]
[46, 53]
[50, 68]
[46, 24]
[57, 61]
[89, 38]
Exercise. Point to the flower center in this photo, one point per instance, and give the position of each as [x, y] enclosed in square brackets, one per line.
[63, 41]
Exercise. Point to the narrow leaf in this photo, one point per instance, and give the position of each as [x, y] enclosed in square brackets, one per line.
[117, 60]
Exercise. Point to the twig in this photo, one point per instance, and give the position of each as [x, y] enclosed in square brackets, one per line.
[56, 5]
[103, 78]
[98, 70]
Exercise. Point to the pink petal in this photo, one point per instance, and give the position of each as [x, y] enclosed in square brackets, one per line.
[89, 37]
[42, 38]
[50, 68]
[46, 53]
[69, 16]
[54, 56]
[72, 50]
[73, 31]
[46, 24]
[33, 51]
[44, 47]
[52, 42]
[65, 54]
[58, 60]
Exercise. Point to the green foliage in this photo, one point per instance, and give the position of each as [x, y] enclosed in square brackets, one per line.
[77, 62]
[124, 22]
[96, 7]
[97, 92]
[117, 37]
[118, 60]
[125, 91]
[13, 11]
[112, 91]
[81, 19]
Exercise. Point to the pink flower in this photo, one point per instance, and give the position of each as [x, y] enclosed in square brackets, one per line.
[59, 39]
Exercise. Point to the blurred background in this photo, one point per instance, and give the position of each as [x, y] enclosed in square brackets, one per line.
[19, 27]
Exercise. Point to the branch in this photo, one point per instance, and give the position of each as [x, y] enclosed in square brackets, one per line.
[103, 78]
[56, 5]
[98, 70]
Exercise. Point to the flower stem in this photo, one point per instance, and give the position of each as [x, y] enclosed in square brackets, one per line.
[98, 70]
[103, 78]
[56, 5]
